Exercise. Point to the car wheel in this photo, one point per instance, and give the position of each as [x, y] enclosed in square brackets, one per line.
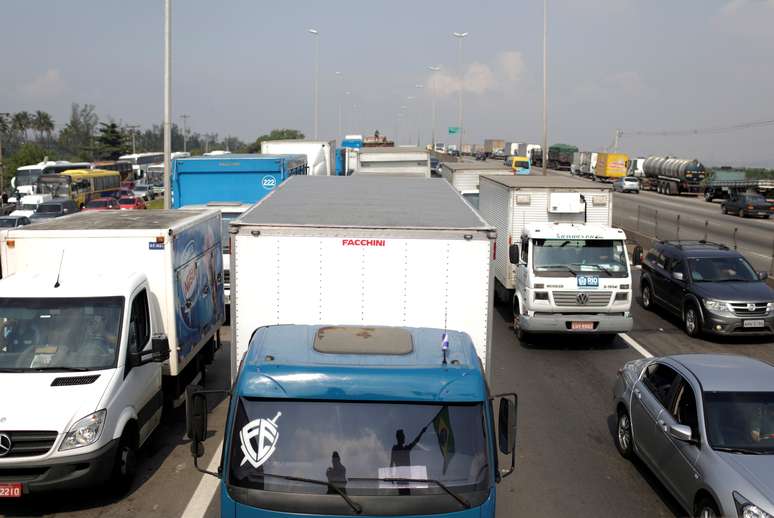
[692, 321]
[125, 467]
[623, 436]
[740, 213]
[647, 296]
[723, 209]
[707, 509]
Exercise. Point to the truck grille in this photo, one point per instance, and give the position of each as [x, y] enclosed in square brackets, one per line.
[582, 298]
[29, 444]
[745, 309]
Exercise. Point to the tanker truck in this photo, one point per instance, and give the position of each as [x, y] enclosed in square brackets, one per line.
[668, 175]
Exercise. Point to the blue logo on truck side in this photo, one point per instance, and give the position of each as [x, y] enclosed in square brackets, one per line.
[155, 246]
[269, 182]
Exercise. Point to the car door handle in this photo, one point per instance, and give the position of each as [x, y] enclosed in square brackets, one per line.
[663, 425]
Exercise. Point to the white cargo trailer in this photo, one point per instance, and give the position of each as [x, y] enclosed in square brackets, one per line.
[393, 161]
[366, 251]
[464, 176]
[320, 154]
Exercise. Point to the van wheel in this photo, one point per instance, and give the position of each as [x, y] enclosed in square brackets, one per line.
[125, 467]
[692, 321]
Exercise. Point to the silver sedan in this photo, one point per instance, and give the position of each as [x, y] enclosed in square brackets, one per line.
[704, 424]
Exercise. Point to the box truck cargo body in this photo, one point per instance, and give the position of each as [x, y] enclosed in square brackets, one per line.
[364, 251]
[393, 161]
[106, 317]
[320, 154]
[610, 166]
[463, 176]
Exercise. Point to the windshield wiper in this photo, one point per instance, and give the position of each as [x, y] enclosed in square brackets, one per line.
[355, 507]
[463, 502]
[61, 369]
[599, 266]
[746, 451]
[548, 267]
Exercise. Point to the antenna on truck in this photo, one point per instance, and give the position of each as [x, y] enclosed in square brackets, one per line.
[59, 272]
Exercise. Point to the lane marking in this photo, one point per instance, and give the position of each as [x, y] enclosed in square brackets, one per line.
[205, 491]
[635, 345]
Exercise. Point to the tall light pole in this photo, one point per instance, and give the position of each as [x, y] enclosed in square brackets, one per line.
[167, 102]
[434, 69]
[338, 94]
[460, 36]
[544, 152]
[185, 131]
[316, 34]
[420, 87]
[2, 166]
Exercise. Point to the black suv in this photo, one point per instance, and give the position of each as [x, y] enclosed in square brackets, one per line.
[747, 204]
[712, 288]
[54, 209]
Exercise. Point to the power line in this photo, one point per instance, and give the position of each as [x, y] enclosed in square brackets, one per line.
[713, 130]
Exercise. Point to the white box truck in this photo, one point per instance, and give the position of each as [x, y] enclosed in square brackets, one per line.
[320, 154]
[463, 176]
[105, 318]
[393, 161]
[559, 262]
[362, 251]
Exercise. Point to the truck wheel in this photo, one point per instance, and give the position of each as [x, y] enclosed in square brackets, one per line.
[125, 467]
[520, 334]
[623, 436]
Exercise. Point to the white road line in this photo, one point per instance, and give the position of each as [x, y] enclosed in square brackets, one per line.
[635, 345]
[208, 485]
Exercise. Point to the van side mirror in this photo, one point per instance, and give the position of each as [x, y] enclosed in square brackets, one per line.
[196, 419]
[513, 254]
[506, 429]
[763, 275]
[160, 348]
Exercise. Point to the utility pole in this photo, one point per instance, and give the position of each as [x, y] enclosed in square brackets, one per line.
[434, 69]
[185, 131]
[544, 152]
[316, 34]
[2, 165]
[167, 102]
[618, 134]
[460, 36]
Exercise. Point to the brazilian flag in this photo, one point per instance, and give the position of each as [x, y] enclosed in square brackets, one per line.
[443, 430]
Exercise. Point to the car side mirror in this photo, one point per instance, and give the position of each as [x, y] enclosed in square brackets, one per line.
[678, 276]
[196, 419]
[681, 432]
[763, 275]
[506, 429]
[513, 254]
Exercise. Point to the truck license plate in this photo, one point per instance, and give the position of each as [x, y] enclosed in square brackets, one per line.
[588, 281]
[753, 323]
[582, 326]
[12, 490]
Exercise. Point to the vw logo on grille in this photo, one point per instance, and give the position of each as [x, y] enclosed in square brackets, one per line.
[751, 307]
[5, 444]
[582, 299]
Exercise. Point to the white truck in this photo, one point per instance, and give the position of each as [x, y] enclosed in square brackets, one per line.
[29, 204]
[464, 176]
[320, 154]
[393, 161]
[105, 318]
[362, 251]
[559, 262]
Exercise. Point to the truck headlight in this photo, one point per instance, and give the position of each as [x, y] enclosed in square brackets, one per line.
[85, 432]
[746, 509]
[717, 306]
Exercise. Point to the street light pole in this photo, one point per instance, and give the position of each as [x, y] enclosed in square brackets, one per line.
[316, 34]
[435, 89]
[185, 131]
[338, 94]
[460, 36]
[167, 102]
[544, 152]
[420, 87]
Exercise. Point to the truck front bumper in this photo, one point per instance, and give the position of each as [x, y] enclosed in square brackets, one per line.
[71, 472]
[563, 323]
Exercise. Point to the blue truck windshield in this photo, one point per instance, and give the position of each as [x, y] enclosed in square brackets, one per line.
[354, 444]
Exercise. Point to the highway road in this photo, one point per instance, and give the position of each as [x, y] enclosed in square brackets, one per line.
[567, 460]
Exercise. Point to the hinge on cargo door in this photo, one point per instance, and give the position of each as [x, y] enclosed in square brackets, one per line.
[255, 233]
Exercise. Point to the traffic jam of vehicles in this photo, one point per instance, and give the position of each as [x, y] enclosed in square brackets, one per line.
[358, 285]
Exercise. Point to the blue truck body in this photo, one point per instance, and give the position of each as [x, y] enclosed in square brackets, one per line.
[233, 178]
[350, 402]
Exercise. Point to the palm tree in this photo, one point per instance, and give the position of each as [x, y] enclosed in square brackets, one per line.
[21, 123]
[43, 124]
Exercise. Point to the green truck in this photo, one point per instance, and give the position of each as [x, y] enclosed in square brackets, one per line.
[560, 156]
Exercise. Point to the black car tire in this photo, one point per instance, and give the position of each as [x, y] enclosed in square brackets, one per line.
[647, 296]
[723, 209]
[692, 320]
[623, 435]
[125, 467]
[740, 213]
[706, 508]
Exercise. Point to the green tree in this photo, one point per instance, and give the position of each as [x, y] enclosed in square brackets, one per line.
[43, 124]
[276, 134]
[111, 141]
[76, 137]
[21, 123]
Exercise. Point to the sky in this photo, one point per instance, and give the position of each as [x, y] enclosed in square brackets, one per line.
[244, 67]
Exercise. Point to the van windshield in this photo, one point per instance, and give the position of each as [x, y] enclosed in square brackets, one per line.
[562, 257]
[59, 334]
[354, 444]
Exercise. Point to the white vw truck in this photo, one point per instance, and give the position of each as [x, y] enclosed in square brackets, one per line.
[559, 262]
[105, 318]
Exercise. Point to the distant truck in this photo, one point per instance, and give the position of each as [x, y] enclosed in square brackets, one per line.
[634, 168]
[106, 318]
[363, 251]
[511, 148]
[393, 161]
[492, 145]
[610, 167]
[320, 154]
[463, 176]
[725, 183]
[667, 175]
[559, 265]
[560, 156]
[381, 412]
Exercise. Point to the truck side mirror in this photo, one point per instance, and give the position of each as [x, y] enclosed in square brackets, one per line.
[160, 347]
[513, 254]
[196, 419]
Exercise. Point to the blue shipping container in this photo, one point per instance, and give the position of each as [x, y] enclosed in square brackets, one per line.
[231, 178]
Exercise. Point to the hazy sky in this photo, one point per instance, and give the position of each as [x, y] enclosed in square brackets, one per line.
[243, 67]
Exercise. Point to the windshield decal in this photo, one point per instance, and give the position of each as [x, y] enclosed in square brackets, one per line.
[267, 436]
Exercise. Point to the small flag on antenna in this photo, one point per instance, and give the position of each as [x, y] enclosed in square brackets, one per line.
[445, 342]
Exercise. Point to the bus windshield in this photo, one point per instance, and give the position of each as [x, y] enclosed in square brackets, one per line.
[59, 334]
[27, 176]
[56, 186]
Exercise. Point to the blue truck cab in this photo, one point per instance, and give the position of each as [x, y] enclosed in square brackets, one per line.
[242, 178]
[357, 420]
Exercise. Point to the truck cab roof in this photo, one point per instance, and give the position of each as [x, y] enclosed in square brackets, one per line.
[364, 363]
[73, 283]
[572, 231]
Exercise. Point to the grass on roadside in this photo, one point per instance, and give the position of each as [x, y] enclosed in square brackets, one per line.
[158, 203]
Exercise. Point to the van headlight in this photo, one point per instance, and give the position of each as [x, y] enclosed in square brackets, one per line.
[746, 509]
[718, 307]
[85, 432]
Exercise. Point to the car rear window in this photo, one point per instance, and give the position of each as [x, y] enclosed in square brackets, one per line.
[631, 179]
[50, 208]
[126, 201]
[95, 204]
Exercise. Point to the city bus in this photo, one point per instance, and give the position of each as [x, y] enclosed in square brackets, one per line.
[27, 176]
[141, 161]
[80, 185]
[124, 168]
